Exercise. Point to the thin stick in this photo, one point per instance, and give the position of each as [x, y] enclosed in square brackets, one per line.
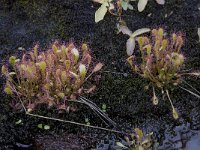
[76, 123]
[91, 107]
[99, 111]
[191, 86]
[89, 76]
[67, 121]
[190, 91]
[120, 73]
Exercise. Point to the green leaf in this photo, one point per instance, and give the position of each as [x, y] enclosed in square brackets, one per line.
[82, 71]
[140, 31]
[40, 126]
[121, 145]
[4, 70]
[130, 7]
[141, 5]
[42, 65]
[8, 90]
[139, 133]
[104, 106]
[12, 60]
[101, 12]
[46, 127]
[124, 5]
[75, 54]
[198, 32]
[18, 122]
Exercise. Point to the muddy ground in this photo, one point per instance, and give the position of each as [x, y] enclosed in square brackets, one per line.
[23, 23]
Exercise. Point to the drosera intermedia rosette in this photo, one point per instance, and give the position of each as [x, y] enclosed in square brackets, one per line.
[161, 63]
[53, 77]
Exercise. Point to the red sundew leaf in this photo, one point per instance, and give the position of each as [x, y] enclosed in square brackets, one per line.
[90, 90]
[31, 106]
[50, 102]
[73, 108]
[87, 59]
[73, 97]
[73, 74]
[97, 67]
[71, 46]
[80, 90]
[62, 107]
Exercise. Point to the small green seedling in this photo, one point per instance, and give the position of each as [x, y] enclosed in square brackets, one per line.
[45, 127]
[104, 107]
[87, 121]
[40, 126]
[19, 122]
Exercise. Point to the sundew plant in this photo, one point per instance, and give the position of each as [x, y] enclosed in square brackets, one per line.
[161, 62]
[53, 77]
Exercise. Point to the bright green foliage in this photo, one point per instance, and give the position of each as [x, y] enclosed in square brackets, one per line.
[50, 77]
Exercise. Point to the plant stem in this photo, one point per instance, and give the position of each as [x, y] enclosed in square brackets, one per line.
[169, 99]
[198, 96]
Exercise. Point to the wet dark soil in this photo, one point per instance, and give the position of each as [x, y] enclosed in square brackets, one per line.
[24, 23]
